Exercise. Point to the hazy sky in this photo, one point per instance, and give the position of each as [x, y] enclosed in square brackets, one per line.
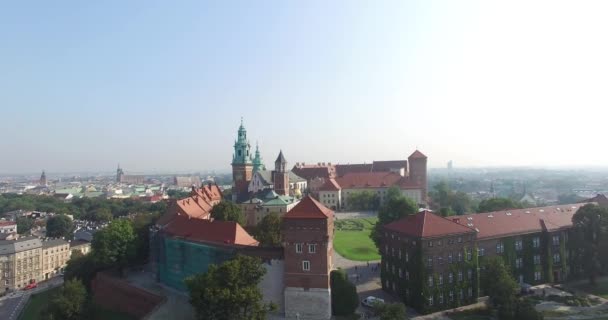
[161, 85]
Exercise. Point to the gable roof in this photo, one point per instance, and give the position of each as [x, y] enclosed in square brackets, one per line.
[426, 224]
[280, 158]
[310, 172]
[330, 185]
[198, 205]
[520, 221]
[217, 232]
[417, 155]
[343, 169]
[309, 208]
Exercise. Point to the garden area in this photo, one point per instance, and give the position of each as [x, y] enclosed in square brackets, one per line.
[352, 239]
[600, 289]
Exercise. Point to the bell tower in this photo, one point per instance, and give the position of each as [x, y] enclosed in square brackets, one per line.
[242, 165]
[280, 176]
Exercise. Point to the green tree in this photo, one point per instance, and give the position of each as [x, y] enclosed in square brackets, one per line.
[589, 240]
[449, 202]
[497, 204]
[83, 267]
[228, 211]
[24, 225]
[229, 291]
[524, 310]
[141, 223]
[114, 245]
[363, 200]
[390, 311]
[102, 214]
[59, 226]
[178, 194]
[268, 231]
[69, 303]
[344, 298]
[500, 286]
[396, 206]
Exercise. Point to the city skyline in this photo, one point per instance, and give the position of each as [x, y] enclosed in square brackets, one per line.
[162, 88]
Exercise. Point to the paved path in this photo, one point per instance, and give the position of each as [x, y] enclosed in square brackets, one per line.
[355, 214]
[11, 304]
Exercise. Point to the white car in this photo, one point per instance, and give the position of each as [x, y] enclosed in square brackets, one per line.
[370, 301]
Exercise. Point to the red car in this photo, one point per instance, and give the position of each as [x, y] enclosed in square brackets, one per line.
[30, 286]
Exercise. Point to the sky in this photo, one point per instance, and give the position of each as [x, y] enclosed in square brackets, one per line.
[162, 85]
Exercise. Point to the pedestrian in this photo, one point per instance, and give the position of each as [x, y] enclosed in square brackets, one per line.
[368, 264]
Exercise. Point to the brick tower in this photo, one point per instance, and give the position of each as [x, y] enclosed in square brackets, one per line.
[242, 165]
[308, 248]
[417, 162]
[280, 176]
[42, 181]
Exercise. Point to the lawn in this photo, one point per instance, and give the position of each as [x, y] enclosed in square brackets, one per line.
[352, 240]
[600, 289]
[473, 314]
[37, 304]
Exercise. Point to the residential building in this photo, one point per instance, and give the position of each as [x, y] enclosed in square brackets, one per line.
[265, 203]
[55, 255]
[439, 257]
[315, 174]
[84, 247]
[20, 262]
[8, 226]
[187, 181]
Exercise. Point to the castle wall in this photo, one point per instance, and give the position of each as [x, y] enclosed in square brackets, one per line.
[310, 304]
[272, 284]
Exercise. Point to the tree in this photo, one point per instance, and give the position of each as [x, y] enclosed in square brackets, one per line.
[69, 303]
[228, 211]
[497, 204]
[102, 215]
[268, 232]
[229, 291]
[390, 311]
[524, 310]
[344, 298]
[24, 224]
[500, 286]
[448, 202]
[363, 200]
[589, 239]
[83, 267]
[141, 223]
[114, 245]
[178, 194]
[59, 226]
[568, 198]
[396, 206]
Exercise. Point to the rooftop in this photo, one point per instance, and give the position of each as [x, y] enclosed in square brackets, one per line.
[216, 232]
[309, 208]
[426, 224]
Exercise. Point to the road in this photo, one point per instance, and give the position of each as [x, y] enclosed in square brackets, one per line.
[11, 304]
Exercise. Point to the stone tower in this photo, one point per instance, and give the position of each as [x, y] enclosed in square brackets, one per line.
[242, 165]
[417, 163]
[280, 176]
[258, 164]
[308, 249]
[43, 178]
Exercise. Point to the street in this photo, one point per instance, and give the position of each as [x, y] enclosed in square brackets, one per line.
[11, 304]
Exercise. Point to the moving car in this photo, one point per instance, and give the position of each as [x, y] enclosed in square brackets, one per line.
[370, 301]
[31, 286]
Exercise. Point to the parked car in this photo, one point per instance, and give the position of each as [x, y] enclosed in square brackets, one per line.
[31, 286]
[370, 301]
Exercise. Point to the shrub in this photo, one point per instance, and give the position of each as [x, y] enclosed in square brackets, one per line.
[344, 298]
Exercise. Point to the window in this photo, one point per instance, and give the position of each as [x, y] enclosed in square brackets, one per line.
[470, 292]
[440, 279]
[518, 245]
[519, 263]
[399, 253]
[537, 276]
[440, 260]
[556, 258]
[461, 294]
[441, 298]
[556, 240]
[536, 259]
[536, 242]
[312, 248]
[407, 275]
[393, 252]
[459, 275]
[459, 239]
[430, 280]
[450, 260]
[470, 274]
[430, 300]
[386, 248]
[450, 277]
[459, 256]
[482, 252]
[439, 242]
[306, 265]
[429, 262]
[430, 243]
[298, 248]
[451, 296]
[469, 254]
[400, 273]
[500, 247]
[407, 257]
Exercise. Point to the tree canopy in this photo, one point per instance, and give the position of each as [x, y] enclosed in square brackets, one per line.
[363, 200]
[229, 291]
[500, 286]
[58, 226]
[395, 207]
[449, 202]
[228, 211]
[344, 298]
[69, 303]
[390, 311]
[497, 204]
[24, 225]
[589, 241]
[268, 231]
[115, 244]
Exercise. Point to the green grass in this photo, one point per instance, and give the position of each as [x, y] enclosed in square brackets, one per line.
[352, 240]
[600, 289]
[37, 304]
[99, 313]
[473, 314]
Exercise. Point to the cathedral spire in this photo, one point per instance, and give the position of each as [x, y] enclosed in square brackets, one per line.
[258, 163]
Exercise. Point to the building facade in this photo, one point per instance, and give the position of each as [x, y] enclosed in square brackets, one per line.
[55, 256]
[440, 257]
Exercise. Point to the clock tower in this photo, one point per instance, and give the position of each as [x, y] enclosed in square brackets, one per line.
[242, 165]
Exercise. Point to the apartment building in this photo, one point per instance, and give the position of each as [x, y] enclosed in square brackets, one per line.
[55, 255]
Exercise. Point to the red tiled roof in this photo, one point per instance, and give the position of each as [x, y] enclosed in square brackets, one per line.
[7, 223]
[520, 221]
[368, 180]
[309, 208]
[426, 224]
[310, 172]
[600, 199]
[417, 155]
[330, 185]
[220, 232]
[198, 205]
